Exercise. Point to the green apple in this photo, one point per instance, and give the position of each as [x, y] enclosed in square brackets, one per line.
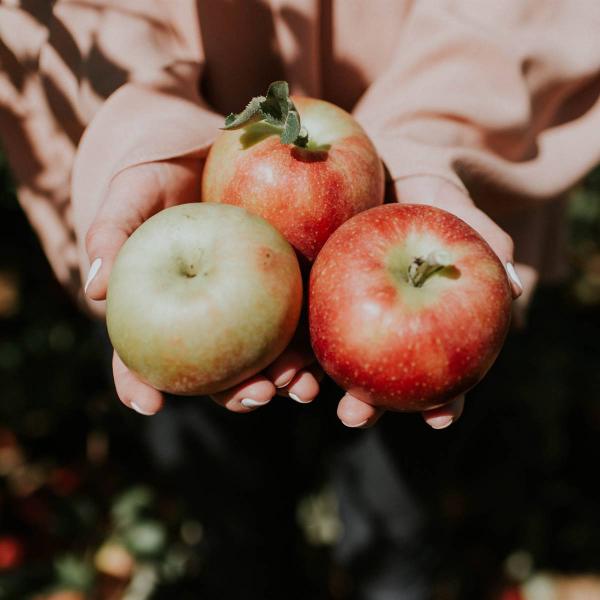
[201, 297]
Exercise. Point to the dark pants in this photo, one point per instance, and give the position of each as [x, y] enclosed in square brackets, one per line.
[244, 474]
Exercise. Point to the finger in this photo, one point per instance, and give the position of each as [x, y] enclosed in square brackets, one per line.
[355, 413]
[134, 196]
[304, 388]
[516, 284]
[444, 416]
[500, 242]
[247, 396]
[285, 368]
[133, 392]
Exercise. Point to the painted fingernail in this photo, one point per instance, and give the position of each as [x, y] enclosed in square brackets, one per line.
[514, 277]
[297, 398]
[141, 410]
[251, 403]
[356, 425]
[94, 268]
[440, 422]
[283, 381]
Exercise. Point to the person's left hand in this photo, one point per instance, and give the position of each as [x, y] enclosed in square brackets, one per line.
[439, 192]
[135, 195]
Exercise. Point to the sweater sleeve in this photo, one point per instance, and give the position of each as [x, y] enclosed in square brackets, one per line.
[502, 98]
[136, 125]
[158, 115]
[89, 88]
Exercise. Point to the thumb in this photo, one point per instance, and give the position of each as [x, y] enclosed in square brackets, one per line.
[134, 195]
[117, 218]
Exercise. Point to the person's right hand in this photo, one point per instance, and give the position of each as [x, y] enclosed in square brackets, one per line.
[436, 191]
[134, 195]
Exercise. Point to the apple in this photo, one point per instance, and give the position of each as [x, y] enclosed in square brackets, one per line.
[408, 307]
[306, 181]
[201, 297]
[11, 552]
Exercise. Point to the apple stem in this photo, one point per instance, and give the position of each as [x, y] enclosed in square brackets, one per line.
[278, 110]
[421, 268]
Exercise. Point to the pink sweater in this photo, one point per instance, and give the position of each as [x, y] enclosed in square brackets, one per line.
[502, 98]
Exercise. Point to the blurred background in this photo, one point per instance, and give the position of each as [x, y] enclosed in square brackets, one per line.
[84, 513]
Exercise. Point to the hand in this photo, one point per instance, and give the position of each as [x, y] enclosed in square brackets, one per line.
[294, 373]
[439, 192]
[135, 195]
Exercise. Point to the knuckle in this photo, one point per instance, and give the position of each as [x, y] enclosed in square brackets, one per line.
[504, 244]
[508, 242]
[92, 237]
[98, 238]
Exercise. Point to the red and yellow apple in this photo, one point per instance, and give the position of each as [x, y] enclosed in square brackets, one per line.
[305, 192]
[201, 297]
[408, 307]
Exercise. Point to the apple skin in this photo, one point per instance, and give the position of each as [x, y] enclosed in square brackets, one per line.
[201, 297]
[394, 345]
[305, 193]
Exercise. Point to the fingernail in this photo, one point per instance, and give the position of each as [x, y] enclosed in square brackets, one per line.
[514, 277]
[297, 398]
[440, 422]
[250, 403]
[361, 424]
[94, 268]
[283, 381]
[282, 385]
[140, 410]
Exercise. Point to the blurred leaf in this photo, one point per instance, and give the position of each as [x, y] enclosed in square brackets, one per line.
[175, 562]
[127, 507]
[72, 572]
[319, 518]
[146, 538]
[143, 584]
[584, 215]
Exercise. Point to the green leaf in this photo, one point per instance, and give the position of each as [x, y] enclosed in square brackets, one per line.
[291, 129]
[251, 114]
[276, 105]
[127, 507]
[276, 110]
[146, 538]
[73, 572]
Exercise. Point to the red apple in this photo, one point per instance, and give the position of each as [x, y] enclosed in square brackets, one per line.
[305, 192]
[201, 297]
[408, 307]
[11, 552]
